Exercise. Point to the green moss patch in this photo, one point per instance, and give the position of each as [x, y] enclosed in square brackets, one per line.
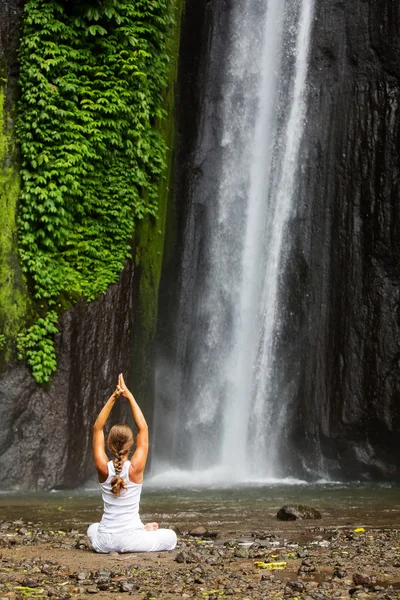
[93, 75]
[13, 300]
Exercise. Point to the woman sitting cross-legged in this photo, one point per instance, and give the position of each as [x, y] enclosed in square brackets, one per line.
[120, 529]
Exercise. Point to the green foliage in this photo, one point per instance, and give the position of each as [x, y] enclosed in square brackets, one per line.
[92, 81]
[37, 347]
[13, 297]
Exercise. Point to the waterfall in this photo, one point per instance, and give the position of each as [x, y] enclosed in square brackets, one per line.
[218, 404]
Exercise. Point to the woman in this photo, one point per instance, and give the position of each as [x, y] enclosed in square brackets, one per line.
[120, 529]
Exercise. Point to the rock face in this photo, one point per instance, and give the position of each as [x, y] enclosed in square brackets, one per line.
[45, 435]
[294, 512]
[339, 347]
[343, 272]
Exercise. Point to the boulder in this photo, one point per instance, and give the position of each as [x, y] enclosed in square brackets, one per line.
[293, 512]
[198, 531]
[361, 579]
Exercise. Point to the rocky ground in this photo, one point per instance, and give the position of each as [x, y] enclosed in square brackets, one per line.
[318, 563]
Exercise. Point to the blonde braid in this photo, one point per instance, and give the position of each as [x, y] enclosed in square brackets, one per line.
[118, 463]
[120, 439]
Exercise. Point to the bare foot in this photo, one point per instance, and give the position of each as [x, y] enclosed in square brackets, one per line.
[151, 526]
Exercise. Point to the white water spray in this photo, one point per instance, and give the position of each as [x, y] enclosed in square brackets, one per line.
[227, 412]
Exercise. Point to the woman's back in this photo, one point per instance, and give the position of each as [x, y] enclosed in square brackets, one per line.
[120, 513]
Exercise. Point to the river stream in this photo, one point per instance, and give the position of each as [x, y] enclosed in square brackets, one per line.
[231, 511]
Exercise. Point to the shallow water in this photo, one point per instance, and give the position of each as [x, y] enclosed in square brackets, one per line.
[231, 511]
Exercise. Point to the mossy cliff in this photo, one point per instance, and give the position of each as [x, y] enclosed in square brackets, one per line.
[84, 208]
[13, 296]
[151, 234]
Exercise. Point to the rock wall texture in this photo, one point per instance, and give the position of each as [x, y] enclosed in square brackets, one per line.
[344, 276]
[10, 21]
[45, 434]
[339, 348]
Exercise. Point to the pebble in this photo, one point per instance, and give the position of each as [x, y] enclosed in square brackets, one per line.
[198, 531]
[125, 586]
[348, 563]
[361, 579]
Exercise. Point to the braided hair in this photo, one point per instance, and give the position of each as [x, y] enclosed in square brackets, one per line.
[120, 440]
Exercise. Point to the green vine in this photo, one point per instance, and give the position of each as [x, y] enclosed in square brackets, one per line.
[92, 81]
[37, 347]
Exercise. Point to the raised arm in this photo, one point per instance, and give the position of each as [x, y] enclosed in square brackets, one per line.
[99, 453]
[139, 458]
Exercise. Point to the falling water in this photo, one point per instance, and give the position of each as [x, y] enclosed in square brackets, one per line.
[222, 408]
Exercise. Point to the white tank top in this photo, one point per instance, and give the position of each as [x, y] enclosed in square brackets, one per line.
[120, 513]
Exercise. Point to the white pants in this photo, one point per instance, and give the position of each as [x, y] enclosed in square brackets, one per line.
[136, 540]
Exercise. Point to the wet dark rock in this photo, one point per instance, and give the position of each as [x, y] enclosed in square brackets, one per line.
[361, 579]
[92, 340]
[187, 556]
[306, 570]
[356, 590]
[256, 551]
[292, 512]
[198, 531]
[345, 346]
[28, 582]
[295, 586]
[339, 573]
[241, 553]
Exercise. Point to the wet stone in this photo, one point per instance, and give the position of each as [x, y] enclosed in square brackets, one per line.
[32, 583]
[104, 574]
[198, 531]
[187, 557]
[339, 573]
[294, 512]
[361, 579]
[125, 586]
[295, 586]
[240, 553]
